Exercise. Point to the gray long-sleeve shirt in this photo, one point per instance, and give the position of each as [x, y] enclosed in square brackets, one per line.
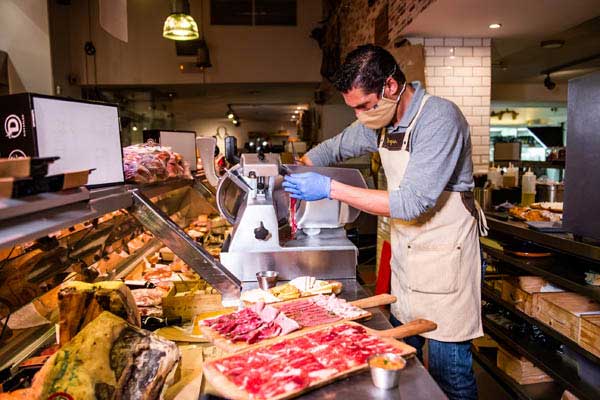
[440, 153]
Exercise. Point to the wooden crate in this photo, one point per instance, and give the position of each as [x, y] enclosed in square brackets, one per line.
[522, 292]
[520, 369]
[562, 311]
[183, 301]
[589, 335]
[485, 341]
[530, 284]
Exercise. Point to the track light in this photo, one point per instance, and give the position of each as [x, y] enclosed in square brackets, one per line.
[552, 44]
[230, 114]
[549, 83]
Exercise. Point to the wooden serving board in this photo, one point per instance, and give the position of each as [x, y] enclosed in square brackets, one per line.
[231, 347]
[230, 390]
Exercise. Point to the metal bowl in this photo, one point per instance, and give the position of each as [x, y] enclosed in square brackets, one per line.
[267, 279]
[385, 378]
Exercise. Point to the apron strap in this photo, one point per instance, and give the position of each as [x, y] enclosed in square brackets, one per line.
[381, 136]
[413, 122]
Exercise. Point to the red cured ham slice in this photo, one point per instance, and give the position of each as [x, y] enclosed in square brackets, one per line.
[252, 325]
[294, 364]
[293, 224]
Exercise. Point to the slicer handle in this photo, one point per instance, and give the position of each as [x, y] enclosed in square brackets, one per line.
[411, 328]
[231, 150]
[206, 145]
[374, 301]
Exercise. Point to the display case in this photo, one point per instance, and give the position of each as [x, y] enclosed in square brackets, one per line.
[103, 238]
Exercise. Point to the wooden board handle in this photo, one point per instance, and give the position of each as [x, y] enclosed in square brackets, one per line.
[411, 328]
[374, 301]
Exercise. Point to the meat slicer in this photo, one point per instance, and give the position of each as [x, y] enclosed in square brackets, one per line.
[250, 196]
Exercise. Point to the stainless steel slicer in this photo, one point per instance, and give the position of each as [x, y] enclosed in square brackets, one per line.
[251, 198]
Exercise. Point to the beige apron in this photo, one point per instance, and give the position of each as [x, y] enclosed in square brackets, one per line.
[436, 264]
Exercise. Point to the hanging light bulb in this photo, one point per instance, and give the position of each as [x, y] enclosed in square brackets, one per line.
[180, 25]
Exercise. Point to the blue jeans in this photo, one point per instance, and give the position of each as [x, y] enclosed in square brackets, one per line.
[450, 364]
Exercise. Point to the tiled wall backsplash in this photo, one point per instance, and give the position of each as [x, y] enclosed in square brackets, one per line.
[459, 69]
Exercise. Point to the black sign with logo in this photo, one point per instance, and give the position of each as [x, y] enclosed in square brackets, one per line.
[17, 138]
[392, 141]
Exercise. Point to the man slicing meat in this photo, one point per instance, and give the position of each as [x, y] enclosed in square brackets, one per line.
[425, 150]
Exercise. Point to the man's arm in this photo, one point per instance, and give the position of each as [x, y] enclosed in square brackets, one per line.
[435, 152]
[353, 141]
[368, 200]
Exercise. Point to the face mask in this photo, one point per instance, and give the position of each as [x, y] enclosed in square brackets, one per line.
[383, 112]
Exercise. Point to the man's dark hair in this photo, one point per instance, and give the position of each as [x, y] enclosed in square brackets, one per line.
[367, 67]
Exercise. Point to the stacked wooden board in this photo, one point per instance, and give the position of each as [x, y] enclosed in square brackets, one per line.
[565, 311]
[520, 369]
[522, 291]
[573, 315]
[589, 334]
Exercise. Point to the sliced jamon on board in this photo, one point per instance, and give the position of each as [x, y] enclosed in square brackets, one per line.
[293, 365]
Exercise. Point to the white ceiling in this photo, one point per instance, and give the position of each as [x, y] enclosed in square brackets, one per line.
[519, 18]
[516, 53]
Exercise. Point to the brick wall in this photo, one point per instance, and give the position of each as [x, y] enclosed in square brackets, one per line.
[460, 70]
[357, 20]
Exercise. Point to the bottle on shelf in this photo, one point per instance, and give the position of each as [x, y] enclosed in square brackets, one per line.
[511, 177]
[495, 177]
[528, 182]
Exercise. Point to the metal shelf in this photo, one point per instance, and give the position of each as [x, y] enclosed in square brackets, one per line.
[156, 189]
[102, 201]
[549, 362]
[560, 272]
[33, 226]
[559, 164]
[536, 391]
[563, 242]
[491, 296]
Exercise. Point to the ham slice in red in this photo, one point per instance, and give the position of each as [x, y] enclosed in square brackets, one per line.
[252, 324]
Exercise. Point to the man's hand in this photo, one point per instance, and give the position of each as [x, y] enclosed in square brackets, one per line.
[308, 186]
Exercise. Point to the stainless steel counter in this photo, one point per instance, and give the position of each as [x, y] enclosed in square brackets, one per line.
[415, 381]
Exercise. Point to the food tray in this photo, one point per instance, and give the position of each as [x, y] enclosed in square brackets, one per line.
[231, 347]
[229, 389]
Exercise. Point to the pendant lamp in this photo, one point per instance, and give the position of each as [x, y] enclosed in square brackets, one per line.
[180, 25]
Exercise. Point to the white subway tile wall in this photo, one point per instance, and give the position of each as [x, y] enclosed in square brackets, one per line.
[459, 69]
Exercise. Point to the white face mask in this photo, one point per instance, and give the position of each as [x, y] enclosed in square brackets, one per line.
[382, 113]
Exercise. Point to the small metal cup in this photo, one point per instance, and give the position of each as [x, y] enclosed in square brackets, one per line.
[386, 378]
[267, 279]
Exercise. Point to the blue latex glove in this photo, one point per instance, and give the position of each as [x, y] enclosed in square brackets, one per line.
[308, 186]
